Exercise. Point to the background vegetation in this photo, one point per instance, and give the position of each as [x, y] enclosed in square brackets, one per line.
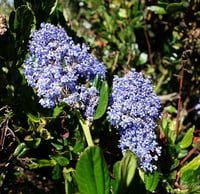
[39, 148]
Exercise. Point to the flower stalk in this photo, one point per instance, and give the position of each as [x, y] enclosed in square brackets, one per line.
[86, 129]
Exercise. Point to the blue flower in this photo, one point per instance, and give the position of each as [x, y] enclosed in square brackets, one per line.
[59, 70]
[133, 110]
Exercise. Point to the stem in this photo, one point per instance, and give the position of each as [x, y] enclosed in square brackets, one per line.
[86, 129]
[180, 99]
[67, 179]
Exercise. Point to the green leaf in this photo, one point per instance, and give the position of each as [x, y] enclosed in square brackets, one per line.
[92, 173]
[177, 7]
[56, 172]
[54, 6]
[122, 13]
[33, 118]
[103, 101]
[57, 110]
[61, 160]
[115, 182]
[190, 172]
[170, 109]
[192, 165]
[126, 176]
[33, 142]
[20, 150]
[57, 146]
[157, 9]
[23, 20]
[97, 82]
[127, 170]
[187, 139]
[151, 181]
[69, 175]
[41, 163]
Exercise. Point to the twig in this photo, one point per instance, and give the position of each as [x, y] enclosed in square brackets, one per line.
[4, 125]
[180, 99]
[169, 97]
[148, 43]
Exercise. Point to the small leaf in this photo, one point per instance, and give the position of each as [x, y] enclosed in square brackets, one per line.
[41, 163]
[170, 109]
[33, 142]
[57, 146]
[157, 9]
[92, 173]
[57, 110]
[20, 150]
[33, 118]
[151, 181]
[61, 160]
[122, 13]
[44, 133]
[187, 139]
[103, 101]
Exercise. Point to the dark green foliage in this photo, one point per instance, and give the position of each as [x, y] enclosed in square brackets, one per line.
[160, 38]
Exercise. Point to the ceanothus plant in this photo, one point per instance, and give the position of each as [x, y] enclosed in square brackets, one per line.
[64, 72]
[61, 71]
[133, 110]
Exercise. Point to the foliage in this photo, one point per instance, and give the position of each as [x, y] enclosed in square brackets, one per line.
[57, 150]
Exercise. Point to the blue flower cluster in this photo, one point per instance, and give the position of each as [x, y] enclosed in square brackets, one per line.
[133, 110]
[61, 71]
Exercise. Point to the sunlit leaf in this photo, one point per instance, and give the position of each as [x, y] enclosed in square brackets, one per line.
[151, 181]
[61, 160]
[157, 9]
[103, 101]
[92, 173]
[187, 139]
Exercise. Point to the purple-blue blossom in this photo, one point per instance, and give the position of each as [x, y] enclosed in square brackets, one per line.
[61, 71]
[134, 109]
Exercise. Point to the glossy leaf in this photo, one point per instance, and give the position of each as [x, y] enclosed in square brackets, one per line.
[41, 163]
[187, 139]
[57, 110]
[157, 9]
[191, 171]
[20, 150]
[170, 109]
[92, 173]
[56, 172]
[151, 181]
[97, 82]
[127, 170]
[61, 160]
[103, 101]
[33, 118]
